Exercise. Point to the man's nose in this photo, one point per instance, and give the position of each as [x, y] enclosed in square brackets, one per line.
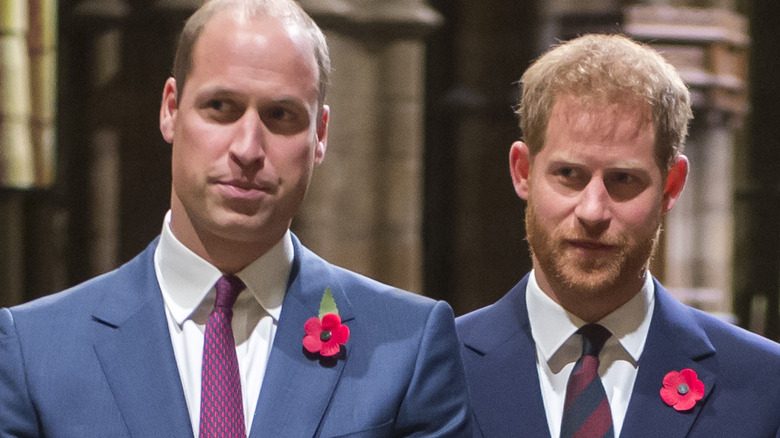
[594, 205]
[248, 145]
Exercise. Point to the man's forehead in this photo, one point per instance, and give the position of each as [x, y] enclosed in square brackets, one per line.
[246, 35]
[572, 107]
[625, 119]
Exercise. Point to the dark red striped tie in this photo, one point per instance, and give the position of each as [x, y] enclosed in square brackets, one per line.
[221, 406]
[586, 411]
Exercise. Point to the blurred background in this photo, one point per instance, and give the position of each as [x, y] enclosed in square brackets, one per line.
[415, 189]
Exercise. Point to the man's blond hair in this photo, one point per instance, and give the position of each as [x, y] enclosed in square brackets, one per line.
[606, 69]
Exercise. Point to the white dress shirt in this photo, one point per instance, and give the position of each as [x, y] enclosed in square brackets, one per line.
[187, 283]
[558, 348]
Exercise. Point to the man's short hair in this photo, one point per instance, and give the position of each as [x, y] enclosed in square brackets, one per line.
[288, 12]
[605, 69]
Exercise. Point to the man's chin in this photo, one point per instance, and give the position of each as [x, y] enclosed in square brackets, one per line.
[590, 281]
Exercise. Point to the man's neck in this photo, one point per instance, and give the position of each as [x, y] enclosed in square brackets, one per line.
[228, 255]
[595, 303]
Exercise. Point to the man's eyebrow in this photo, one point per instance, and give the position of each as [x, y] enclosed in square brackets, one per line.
[288, 100]
[224, 91]
[217, 91]
[566, 161]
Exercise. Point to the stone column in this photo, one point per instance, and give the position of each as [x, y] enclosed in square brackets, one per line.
[17, 167]
[31, 237]
[474, 229]
[363, 209]
[97, 159]
[43, 80]
[15, 145]
[757, 201]
[709, 48]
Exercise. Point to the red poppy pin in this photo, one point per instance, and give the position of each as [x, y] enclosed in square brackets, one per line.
[682, 390]
[325, 334]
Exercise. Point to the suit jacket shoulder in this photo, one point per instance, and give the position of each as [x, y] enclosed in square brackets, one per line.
[396, 376]
[499, 355]
[738, 369]
[94, 360]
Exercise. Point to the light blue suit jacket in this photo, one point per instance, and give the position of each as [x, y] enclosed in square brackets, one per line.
[740, 372]
[96, 361]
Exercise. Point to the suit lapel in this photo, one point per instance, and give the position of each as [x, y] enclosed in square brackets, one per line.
[502, 370]
[298, 386]
[134, 349]
[674, 343]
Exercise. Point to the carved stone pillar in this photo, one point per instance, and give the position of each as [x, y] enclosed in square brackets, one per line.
[757, 201]
[117, 166]
[95, 156]
[16, 164]
[363, 209]
[474, 230]
[709, 49]
[31, 236]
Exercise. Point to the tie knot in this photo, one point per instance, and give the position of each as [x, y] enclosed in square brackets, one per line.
[593, 338]
[228, 287]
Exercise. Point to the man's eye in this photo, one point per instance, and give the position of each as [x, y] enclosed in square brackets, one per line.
[569, 178]
[222, 111]
[568, 173]
[285, 121]
[219, 105]
[623, 186]
[215, 104]
[279, 114]
[624, 178]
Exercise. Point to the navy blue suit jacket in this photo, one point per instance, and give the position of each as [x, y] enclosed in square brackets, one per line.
[740, 372]
[97, 361]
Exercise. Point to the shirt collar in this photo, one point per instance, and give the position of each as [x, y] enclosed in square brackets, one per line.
[552, 326]
[186, 279]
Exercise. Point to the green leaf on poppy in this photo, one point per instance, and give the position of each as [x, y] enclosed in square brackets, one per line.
[328, 304]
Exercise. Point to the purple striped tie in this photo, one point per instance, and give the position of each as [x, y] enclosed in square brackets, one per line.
[221, 406]
[586, 411]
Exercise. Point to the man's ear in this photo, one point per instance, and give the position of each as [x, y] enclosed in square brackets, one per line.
[168, 110]
[322, 135]
[520, 167]
[675, 182]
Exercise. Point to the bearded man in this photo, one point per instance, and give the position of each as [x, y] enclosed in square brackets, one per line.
[589, 343]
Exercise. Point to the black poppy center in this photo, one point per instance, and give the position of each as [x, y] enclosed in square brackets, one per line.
[325, 335]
